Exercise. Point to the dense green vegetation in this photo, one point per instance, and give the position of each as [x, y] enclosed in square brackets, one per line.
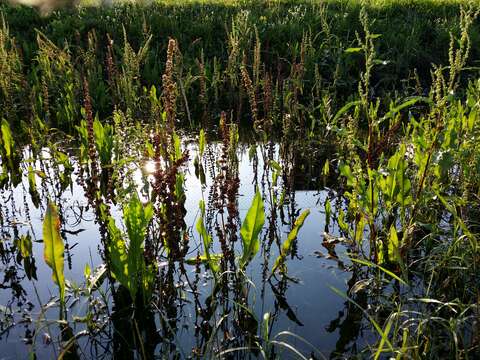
[376, 105]
[413, 35]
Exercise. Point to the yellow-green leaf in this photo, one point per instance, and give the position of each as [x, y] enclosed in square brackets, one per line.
[212, 259]
[201, 143]
[7, 138]
[54, 247]
[118, 255]
[24, 244]
[393, 245]
[287, 245]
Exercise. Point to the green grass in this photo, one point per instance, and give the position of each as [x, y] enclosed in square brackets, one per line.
[414, 33]
[388, 93]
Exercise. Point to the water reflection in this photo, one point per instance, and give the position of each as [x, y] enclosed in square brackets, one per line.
[191, 313]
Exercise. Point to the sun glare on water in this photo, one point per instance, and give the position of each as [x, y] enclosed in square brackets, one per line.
[149, 167]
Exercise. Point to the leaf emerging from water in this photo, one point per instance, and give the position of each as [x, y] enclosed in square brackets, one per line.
[54, 247]
[128, 264]
[287, 245]
[7, 138]
[207, 240]
[251, 227]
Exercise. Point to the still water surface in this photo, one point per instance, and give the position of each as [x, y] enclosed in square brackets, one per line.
[303, 304]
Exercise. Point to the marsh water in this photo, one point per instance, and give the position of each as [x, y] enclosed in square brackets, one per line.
[302, 309]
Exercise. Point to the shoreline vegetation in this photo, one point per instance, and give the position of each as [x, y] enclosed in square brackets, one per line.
[375, 105]
[413, 35]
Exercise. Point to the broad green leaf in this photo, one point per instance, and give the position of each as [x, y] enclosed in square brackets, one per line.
[380, 252]
[347, 173]
[54, 247]
[117, 254]
[149, 149]
[396, 186]
[32, 187]
[252, 151]
[82, 131]
[177, 147]
[393, 245]
[31, 179]
[136, 217]
[179, 190]
[127, 265]
[287, 245]
[7, 138]
[251, 227]
[201, 142]
[103, 141]
[326, 168]
[342, 224]
[328, 212]
[360, 227]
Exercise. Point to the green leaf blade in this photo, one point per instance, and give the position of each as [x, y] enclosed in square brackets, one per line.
[251, 227]
[54, 247]
[287, 245]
